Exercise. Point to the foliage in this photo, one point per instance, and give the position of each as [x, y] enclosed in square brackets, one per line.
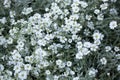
[59, 40]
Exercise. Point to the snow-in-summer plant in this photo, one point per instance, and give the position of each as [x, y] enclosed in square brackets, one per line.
[59, 40]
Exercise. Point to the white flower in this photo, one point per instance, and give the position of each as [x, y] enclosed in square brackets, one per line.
[104, 6]
[113, 11]
[16, 56]
[83, 4]
[104, 0]
[92, 72]
[57, 1]
[2, 77]
[7, 3]
[10, 40]
[75, 9]
[116, 48]
[2, 40]
[69, 63]
[118, 67]
[70, 40]
[100, 17]
[113, 24]
[1, 67]
[27, 11]
[66, 12]
[72, 72]
[74, 37]
[96, 11]
[76, 78]
[56, 77]
[66, 73]
[41, 52]
[41, 42]
[108, 74]
[63, 39]
[3, 20]
[62, 65]
[103, 61]
[94, 47]
[76, 1]
[17, 68]
[48, 72]
[12, 14]
[45, 63]
[58, 62]
[85, 51]
[97, 42]
[49, 36]
[88, 17]
[9, 72]
[27, 58]
[117, 56]
[21, 43]
[27, 66]
[108, 48]
[79, 55]
[87, 44]
[35, 73]
[98, 36]
[79, 45]
[74, 17]
[22, 75]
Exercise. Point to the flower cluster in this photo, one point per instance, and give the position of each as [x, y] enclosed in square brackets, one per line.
[70, 40]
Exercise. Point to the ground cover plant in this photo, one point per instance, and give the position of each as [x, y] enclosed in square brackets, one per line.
[59, 40]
